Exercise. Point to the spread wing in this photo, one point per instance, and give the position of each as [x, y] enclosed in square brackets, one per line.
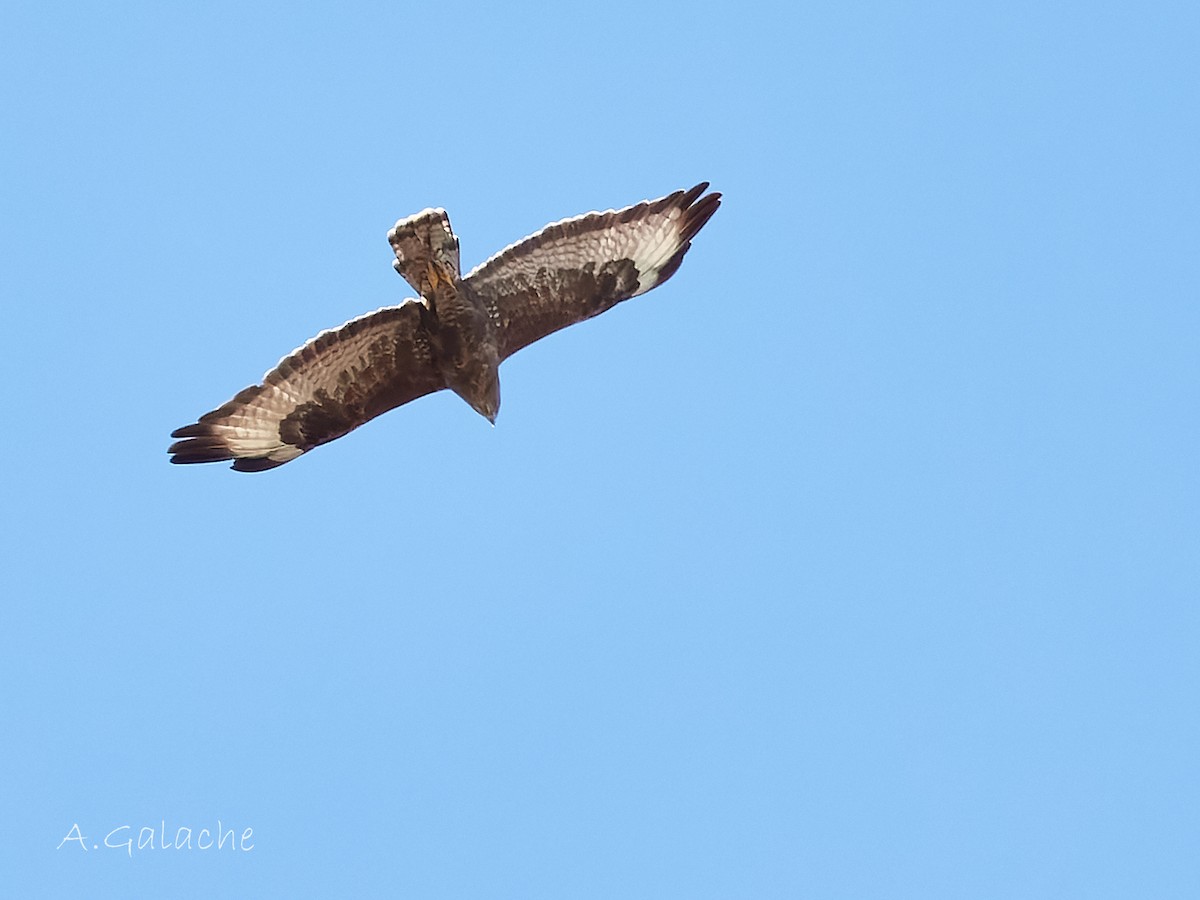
[334, 383]
[578, 268]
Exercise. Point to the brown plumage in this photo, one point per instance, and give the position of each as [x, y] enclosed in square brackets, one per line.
[456, 334]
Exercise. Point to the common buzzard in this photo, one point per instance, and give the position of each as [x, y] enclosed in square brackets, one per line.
[455, 334]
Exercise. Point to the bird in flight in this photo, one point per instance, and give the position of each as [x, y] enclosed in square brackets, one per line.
[454, 334]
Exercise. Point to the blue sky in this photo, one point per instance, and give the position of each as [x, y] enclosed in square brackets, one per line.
[858, 560]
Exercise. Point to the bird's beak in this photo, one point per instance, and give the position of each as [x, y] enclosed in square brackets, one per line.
[432, 272]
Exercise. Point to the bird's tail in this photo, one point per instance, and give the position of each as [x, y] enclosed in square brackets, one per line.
[426, 250]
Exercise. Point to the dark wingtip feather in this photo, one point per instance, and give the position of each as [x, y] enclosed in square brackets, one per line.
[690, 195]
[254, 465]
[199, 450]
[196, 429]
[210, 450]
[696, 216]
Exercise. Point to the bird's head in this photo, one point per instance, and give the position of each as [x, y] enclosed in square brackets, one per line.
[481, 389]
[488, 400]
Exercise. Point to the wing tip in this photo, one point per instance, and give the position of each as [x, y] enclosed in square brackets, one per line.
[204, 444]
[187, 453]
[697, 212]
[688, 197]
[196, 429]
[256, 464]
[182, 454]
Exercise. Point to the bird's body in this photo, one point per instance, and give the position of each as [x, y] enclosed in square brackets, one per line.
[455, 335]
[462, 332]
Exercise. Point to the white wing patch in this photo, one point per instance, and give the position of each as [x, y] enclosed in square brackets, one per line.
[649, 242]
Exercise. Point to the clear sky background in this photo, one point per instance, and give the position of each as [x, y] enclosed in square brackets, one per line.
[858, 560]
